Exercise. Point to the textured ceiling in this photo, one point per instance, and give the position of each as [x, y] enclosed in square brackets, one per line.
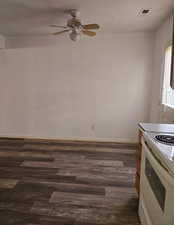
[32, 17]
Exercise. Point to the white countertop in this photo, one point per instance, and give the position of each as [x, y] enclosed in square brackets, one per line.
[157, 128]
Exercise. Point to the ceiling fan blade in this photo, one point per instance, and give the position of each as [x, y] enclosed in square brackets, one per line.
[58, 26]
[60, 32]
[91, 26]
[89, 33]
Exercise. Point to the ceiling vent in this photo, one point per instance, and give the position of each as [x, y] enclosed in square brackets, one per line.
[145, 11]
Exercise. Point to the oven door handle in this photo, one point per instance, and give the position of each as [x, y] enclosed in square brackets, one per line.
[157, 165]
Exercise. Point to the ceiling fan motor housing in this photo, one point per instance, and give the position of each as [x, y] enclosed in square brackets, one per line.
[72, 23]
[74, 13]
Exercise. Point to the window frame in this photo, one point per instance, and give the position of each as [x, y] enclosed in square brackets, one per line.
[163, 78]
[172, 66]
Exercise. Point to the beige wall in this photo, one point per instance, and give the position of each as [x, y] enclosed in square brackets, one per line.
[163, 38]
[94, 89]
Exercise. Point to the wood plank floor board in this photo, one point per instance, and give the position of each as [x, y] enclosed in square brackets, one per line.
[22, 158]
[30, 192]
[104, 181]
[8, 183]
[98, 172]
[9, 163]
[8, 217]
[18, 172]
[73, 163]
[37, 178]
[56, 220]
[69, 187]
[51, 182]
[6, 195]
[121, 201]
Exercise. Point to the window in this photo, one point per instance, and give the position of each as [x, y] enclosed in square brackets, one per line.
[168, 92]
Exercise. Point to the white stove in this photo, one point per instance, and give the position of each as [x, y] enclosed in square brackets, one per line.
[156, 206]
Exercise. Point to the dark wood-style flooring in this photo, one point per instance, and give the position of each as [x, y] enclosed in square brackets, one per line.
[66, 183]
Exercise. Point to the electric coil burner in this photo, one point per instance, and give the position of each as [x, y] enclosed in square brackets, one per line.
[165, 139]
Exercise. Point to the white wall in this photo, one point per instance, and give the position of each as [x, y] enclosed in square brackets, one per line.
[163, 38]
[95, 89]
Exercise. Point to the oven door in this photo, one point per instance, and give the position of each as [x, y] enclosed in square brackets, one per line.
[156, 189]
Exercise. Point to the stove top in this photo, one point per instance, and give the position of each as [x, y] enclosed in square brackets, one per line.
[164, 151]
[165, 139]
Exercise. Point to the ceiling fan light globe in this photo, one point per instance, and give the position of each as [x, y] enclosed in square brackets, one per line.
[74, 36]
[77, 30]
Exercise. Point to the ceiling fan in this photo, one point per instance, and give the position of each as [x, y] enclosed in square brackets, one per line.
[76, 28]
